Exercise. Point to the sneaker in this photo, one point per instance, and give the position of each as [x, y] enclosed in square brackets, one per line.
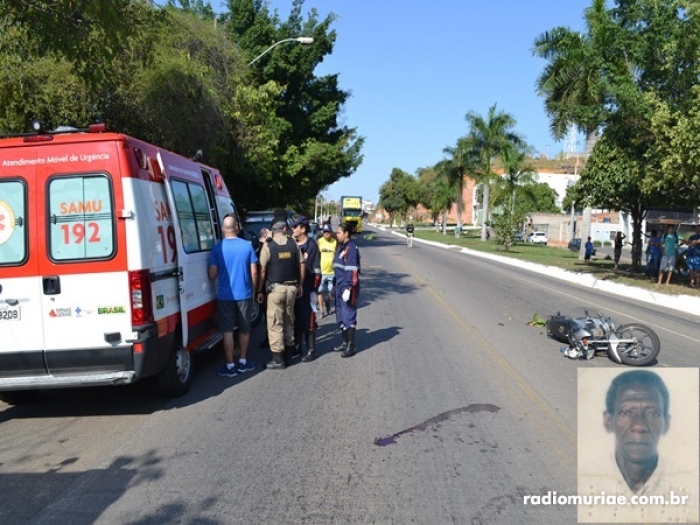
[248, 367]
[225, 371]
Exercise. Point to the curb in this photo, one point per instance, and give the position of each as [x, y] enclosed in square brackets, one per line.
[685, 303]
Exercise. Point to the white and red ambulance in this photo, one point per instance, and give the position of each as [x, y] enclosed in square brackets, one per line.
[104, 248]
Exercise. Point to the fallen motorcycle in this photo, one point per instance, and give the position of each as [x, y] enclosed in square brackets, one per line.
[631, 344]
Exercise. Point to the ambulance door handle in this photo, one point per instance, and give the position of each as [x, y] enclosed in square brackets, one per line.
[52, 285]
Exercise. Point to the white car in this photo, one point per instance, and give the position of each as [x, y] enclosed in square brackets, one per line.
[537, 238]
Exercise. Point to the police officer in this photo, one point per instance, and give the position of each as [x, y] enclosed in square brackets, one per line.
[346, 265]
[304, 308]
[282, 272]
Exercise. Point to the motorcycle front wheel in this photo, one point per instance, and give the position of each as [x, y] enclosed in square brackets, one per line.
[642, 352]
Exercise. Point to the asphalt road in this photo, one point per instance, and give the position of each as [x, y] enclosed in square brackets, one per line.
[452, 412]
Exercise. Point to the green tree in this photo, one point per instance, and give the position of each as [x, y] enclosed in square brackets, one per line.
[517, 173]
[643, 60]
[571, 83]
[436, 194]
[460, 162]
[535, 197]
[488, 138]
[399, 193]
[309, 148]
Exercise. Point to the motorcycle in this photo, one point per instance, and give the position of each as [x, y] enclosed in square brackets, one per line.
[631, 344]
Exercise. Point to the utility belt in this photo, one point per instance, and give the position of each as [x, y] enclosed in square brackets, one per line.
[271, 286]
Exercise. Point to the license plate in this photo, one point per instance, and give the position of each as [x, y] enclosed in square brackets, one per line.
[10, 314]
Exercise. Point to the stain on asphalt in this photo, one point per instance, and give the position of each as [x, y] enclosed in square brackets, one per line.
[425, 425]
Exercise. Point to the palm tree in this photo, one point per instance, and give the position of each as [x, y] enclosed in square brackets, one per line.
[516, 173]
[571, 83]
[437, 194]
[459, 163]
[488, 138]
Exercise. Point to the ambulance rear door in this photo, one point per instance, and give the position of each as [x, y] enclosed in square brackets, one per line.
[84, 279]
[194, 238]
[21, 336]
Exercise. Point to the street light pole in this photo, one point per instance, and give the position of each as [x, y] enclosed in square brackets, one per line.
[306, 40]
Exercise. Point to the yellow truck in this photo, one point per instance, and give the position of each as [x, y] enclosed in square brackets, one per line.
[351, 212]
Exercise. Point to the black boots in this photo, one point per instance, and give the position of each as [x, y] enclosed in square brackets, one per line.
[310, 348]
[344, 345]
[350, 347]
[277, 362]
[289, 352]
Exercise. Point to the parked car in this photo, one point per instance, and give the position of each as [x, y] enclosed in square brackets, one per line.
[575, 246]
[537, 238]
[518, 236]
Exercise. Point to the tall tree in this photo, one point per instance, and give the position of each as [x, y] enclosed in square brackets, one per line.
[460, 162]
[310, 148]
[399, 193]
[517, 173]
[436, 194]
[571, 83]
[489, 137]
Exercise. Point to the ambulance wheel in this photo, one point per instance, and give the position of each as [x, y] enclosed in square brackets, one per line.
[256, 314]
[176, 378]
[19, 397]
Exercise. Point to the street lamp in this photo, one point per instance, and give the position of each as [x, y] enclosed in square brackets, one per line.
[306, 40]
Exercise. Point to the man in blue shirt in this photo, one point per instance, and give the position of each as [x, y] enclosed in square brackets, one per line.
[234, 262]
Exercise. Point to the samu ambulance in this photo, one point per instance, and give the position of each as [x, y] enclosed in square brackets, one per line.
[104, 248]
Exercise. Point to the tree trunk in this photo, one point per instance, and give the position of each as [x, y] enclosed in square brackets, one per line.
[485, 207]
[585, 231]
[637, 218]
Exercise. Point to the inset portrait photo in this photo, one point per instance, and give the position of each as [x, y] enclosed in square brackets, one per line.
[638, 445]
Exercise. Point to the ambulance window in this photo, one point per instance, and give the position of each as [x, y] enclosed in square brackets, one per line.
[192, 208]
[81, 222]
[13, 222]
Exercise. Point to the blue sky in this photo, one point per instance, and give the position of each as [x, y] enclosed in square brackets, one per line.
[415, 68]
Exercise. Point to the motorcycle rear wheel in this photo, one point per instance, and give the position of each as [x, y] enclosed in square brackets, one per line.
[644, 351]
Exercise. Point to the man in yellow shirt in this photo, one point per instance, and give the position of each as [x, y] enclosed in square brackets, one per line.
[327, 246]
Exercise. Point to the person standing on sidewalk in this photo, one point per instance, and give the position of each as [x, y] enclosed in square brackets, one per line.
[234, 262]
[588, 252]
[669, 254]
[282, 272]
[347, 288]
[618, 247]
[305, 306]
[327, 246]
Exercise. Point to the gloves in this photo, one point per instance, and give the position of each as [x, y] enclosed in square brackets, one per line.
[346, 295]
[314, 302]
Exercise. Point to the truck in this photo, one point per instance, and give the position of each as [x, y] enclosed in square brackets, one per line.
[351, 212]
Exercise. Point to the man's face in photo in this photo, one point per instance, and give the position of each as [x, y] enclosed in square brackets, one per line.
[638, 422]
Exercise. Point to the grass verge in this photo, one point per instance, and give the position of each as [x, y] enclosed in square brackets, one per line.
[563, 258]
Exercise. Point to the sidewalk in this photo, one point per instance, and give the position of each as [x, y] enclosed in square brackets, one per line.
[684, 303]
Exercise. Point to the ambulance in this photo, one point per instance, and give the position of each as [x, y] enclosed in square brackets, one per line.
[104, 248]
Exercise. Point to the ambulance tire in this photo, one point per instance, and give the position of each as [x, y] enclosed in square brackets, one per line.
[19, 397]
[176, 378]
[256, 314]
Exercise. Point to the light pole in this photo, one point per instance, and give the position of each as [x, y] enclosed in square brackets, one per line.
[306, 40]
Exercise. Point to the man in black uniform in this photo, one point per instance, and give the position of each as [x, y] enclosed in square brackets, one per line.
[304, 308]
[282, 272]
